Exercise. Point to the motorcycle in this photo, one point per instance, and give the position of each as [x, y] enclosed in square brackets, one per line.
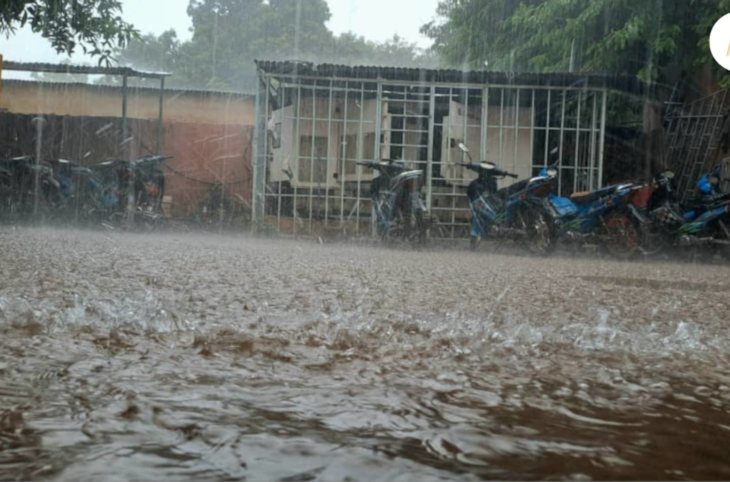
[79, 192]
[514, 212]
[702, 222]
[143, 179]
[604, 215]
[138, 185]
[400, 210]
[150, 182]
[21, 179]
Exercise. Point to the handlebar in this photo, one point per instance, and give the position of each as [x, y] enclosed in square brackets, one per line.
[496, 172]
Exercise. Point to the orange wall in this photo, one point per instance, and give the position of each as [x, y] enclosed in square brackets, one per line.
[94, 101]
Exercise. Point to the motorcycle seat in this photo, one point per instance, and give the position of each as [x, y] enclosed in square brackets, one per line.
[583, 198]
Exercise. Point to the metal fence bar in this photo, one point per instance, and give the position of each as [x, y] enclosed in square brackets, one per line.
[594, 130]
[517, 130]
[562, 141]
[484, 124]
[294, 171]
[378, 149]
[577, 147]
[429, 154]
[456, 85]
[547, 134]
[328, 175]
[312, 151]
[602, 141]
[501, 128]
[532, 131]
[343, 149]
[360, 146]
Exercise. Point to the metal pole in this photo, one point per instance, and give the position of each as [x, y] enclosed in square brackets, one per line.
[125, 152]
[262, 165]
[294, 177]
[159, 122]
[547, 134]
[429, 160]
[328, 174]
[484, 124]
[125, 155]
[257, 133]
[312, 150]
[378, 154]
[501, 129]
[361, 151]
[602, 141]
[39, 122]
[577, 146]
[342, 148]
[562, 141]
[517, 131]
[532, 131]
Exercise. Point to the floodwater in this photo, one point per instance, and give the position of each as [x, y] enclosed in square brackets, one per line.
[192, 358]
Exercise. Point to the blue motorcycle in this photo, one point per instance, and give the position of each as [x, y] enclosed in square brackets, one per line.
[604, 216]
[512, 213]
[80, 192]
[703, 221]
[400, 211]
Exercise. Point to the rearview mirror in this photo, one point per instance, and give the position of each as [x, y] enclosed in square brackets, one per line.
[714, 180]
[488, 165]
[669, 175]
[552, 173]
[463, 147]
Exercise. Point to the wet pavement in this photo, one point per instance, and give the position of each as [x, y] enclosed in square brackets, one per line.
[193, 358]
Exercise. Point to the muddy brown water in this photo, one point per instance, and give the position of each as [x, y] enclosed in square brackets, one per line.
[193, 358]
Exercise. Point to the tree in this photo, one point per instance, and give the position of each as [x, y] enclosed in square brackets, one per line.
[657, 40]
[94, 25]
[228, 35]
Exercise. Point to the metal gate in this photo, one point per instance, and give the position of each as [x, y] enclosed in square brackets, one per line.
[693, 133]
[314, 125]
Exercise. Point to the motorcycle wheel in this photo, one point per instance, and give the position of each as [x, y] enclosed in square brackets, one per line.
[541, 234]
[622, 235]
[654, 241]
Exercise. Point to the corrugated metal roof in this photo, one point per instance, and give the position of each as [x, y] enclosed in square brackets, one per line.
[624, 83]
[117, 89]
[81, 69]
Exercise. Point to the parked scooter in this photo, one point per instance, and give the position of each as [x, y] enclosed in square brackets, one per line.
[142, 179]
[80, 193]
[25, 186]
[704, 221]
[150, 182]
[400, 210]
[602, 216]
[514, 212]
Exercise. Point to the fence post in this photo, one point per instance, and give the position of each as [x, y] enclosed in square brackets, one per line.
[39, 122]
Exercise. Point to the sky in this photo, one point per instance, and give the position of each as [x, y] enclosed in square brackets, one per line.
[374, 19]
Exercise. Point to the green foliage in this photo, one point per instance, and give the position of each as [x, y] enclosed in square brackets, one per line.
[94, 25]
[228, 35]
[657, 40]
